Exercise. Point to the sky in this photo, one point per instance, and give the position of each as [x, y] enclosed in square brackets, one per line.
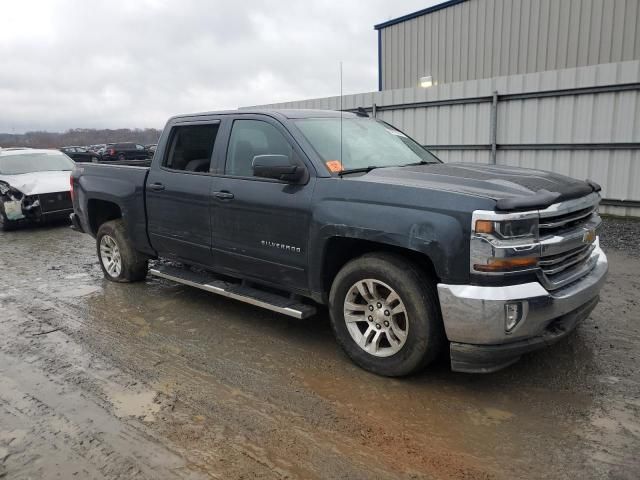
[134, 63]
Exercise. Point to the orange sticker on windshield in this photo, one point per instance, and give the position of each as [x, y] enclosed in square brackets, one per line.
[334, 165]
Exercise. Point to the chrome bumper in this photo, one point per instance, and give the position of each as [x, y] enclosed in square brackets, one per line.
[474, 316]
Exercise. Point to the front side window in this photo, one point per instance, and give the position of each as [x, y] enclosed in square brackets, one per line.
[362, 143]
[35, 162]
[191, 147]
[250, 138]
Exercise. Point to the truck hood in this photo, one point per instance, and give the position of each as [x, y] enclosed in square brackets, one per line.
[512, 188]
[37, 183]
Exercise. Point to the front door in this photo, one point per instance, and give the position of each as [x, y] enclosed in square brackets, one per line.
[179, 194]
[261, 226]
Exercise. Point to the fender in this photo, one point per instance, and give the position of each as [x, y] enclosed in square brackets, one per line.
[438, 235]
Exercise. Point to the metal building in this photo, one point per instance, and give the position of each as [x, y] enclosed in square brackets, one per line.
[463, 40]
[548, 84]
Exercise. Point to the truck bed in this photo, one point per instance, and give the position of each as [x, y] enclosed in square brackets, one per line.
[122, 185]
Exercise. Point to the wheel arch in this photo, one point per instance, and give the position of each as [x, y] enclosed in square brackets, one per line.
[339, 250]
[101, 211]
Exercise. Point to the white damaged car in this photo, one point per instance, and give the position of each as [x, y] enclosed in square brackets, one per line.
[34, 186]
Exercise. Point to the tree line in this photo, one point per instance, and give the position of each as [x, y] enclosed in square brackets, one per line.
[79, 136]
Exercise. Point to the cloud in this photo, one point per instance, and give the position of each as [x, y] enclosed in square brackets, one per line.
[118, 63]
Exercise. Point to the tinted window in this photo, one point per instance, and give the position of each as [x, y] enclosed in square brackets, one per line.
[191, 147]
[250, 138]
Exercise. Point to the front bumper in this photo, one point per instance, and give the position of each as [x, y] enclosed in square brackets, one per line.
[474, 317]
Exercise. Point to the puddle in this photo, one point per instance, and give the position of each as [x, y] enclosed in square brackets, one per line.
[489, 416]
[142, 405]
[77, 291]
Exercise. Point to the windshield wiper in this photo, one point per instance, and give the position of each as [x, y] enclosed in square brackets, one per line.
[358, 170]
[421, 162]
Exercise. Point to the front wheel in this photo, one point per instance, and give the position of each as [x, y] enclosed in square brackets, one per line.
[385, 315]
[120, 262]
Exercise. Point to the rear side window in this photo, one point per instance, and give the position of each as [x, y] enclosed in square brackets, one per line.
[191, 147]
[250, 138]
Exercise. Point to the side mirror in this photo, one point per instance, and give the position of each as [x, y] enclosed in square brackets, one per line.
[278, 167]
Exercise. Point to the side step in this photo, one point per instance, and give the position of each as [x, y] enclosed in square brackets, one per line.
[210, 283]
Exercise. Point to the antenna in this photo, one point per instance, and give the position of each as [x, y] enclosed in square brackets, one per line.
[341, 167]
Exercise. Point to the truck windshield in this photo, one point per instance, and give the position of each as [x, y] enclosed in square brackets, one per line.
[361, 143]
[34, 162]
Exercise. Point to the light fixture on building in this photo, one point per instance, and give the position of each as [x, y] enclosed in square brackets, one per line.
[426, 82]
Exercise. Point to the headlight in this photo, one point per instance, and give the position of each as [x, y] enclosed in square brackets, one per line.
[504, 242]
[509, 228]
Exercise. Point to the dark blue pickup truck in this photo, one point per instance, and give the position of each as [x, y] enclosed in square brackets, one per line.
[287, 209]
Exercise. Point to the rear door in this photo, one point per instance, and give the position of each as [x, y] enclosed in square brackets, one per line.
[178, 193]
[260, 226]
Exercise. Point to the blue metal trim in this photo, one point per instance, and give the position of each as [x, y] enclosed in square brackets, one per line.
[379, 60]
[419, 13]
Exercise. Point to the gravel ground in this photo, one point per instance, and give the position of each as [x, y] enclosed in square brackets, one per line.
[621, 234]
[158, 380]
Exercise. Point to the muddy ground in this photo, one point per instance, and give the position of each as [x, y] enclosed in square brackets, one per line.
[157, 380]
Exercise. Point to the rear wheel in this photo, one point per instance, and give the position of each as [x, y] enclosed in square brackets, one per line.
[385, 315]
[119, 260]
[121, 157]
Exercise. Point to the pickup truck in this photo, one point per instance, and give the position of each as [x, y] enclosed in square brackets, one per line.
[291, 209]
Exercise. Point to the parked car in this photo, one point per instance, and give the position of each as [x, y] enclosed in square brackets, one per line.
[410, 255]
[125, 151]
[80, 154]
[151, 148]
[34, 186]
[103, 148]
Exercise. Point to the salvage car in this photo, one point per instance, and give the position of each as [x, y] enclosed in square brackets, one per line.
[34, 186]
[287, 209]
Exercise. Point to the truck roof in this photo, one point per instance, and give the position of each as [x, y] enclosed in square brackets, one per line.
[283, 112]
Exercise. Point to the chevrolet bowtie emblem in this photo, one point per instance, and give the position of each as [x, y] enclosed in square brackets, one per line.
[589, 236]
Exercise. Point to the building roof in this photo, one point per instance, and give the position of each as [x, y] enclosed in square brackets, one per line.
[419, 13]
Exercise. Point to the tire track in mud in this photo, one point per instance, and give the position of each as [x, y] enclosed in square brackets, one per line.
[265, 435]
[233, 392]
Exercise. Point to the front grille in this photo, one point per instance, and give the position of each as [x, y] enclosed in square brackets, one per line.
[568, 241]
[553, 264]
[567, 220]
[51, 202]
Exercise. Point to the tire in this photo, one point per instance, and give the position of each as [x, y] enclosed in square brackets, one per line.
[113, 243]
[121, 157]
[399, 351]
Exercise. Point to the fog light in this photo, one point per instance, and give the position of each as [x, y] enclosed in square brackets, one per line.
[512, 316]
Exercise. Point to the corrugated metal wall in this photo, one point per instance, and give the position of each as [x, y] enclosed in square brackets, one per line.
[489, 38]
[592, 133]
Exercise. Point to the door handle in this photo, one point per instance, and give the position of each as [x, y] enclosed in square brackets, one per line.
[157, 187]
[224, 195]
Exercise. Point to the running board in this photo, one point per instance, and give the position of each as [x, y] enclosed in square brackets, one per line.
[210, 283]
